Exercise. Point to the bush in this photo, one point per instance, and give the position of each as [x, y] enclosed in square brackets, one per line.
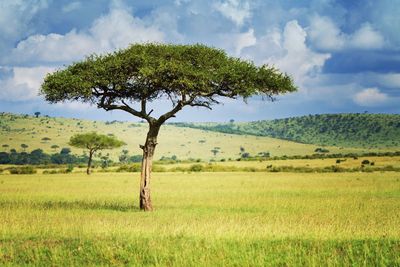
[365, 162]
[321, 150]
[23, 170]
[70, 168]
[129, 168]
[157, 168]
[50, 172]
[196, 168]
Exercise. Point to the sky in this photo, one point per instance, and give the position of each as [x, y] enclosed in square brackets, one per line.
[343, 55]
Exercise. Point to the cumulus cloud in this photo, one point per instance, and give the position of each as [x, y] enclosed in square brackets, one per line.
[236, 42]
[297, 59]
[370, 97]
[15, 16]
[16, 21]
[391, 80]
[235, 10]
[366, 38]
[287, 50]
[325, 35]
[23, 83]
[115, 30]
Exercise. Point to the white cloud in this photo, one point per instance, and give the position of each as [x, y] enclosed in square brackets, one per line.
[115, 30]
[288, 51]
[235, 10]
[366, 38]
[15, 16]
[297, 60]
[236, 42]
[370, 97]
[23, 84]
[71, 6]
[325, 35]
[391, 80]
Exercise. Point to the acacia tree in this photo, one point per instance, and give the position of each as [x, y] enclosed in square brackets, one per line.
[94, 142]
[187, 75]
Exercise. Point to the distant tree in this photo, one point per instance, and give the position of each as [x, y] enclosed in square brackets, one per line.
[24, 147]
[105, 161]
[246, 155]
[189, 75]
[124, 156]
[46, 139]
[37, 114]
[54, 147]
[94, 142]
[215, 151]
[65, 151]
[136, 158]
[365, 162]
[231, 120]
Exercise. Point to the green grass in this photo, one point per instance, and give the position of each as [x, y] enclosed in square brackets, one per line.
[201, 219]
[183, 142]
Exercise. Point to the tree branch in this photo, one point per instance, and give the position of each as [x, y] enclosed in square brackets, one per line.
[181, 103]
[124, 107]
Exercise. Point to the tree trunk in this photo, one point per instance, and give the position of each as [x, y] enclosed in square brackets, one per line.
[148, 153]
[89, 163]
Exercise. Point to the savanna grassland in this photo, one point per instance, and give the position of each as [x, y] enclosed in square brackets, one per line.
[241, 200]
[184, 143]
[201, 219]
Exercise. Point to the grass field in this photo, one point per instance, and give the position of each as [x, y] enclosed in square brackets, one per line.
[183, 142]
[202, 219]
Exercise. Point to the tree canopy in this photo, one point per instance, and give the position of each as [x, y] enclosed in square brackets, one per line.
[94, 141]
[189, 75]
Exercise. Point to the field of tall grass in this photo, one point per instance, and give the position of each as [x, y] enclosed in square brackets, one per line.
[201, 219]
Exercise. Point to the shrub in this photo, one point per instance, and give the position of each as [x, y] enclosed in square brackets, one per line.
[321, 150]
[23, 170]
[365, 162]
[50, 172]
[129, 168]
[196, 168]
[245, 155]
[70, 168]
[157, 168]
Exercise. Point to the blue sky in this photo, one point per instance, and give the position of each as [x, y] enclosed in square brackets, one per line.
[343, 55]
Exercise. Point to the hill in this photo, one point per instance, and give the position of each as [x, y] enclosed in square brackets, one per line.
[368, 131]
[52, 134]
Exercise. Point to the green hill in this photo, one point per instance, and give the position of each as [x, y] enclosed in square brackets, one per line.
[347, 130]
[52, 134]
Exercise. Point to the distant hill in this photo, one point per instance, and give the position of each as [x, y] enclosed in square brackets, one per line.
[52, 134]
[343, 133]
[346, 130]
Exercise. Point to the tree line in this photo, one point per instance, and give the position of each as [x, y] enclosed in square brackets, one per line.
[38, 156]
